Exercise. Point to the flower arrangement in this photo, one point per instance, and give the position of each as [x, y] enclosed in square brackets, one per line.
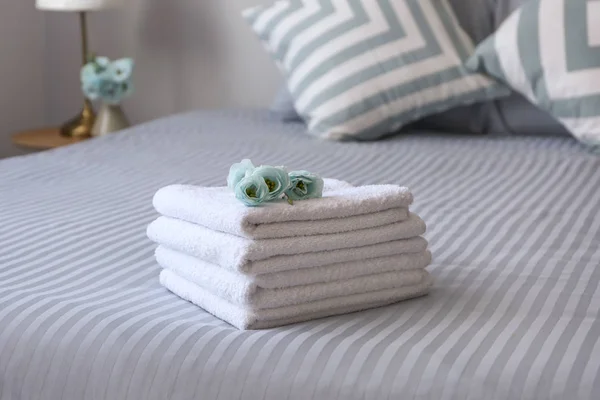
[109, 81]
[254, 186]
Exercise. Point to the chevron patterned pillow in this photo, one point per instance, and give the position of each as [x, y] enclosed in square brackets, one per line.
[364, 68]
[549, 50]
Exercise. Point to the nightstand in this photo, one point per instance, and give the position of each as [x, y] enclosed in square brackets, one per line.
[43, 139]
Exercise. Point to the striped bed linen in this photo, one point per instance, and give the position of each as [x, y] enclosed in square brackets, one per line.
[513, 222]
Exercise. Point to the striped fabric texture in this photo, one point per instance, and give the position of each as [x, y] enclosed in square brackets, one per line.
[362, 69]
[513, 223]
[549, 50]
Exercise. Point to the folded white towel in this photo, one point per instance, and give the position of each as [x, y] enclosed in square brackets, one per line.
[344, 270]
[242, 290]
[210, 275]
[246, 255]
[243, 318]
[342, 208]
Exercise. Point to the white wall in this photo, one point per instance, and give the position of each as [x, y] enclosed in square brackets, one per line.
[189, 54]
[21, 70]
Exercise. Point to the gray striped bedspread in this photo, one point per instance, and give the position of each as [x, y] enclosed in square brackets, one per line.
[514, 226]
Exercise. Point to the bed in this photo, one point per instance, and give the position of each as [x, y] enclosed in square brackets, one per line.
[513, 222]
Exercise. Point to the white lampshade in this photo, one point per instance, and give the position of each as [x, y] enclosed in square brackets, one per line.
[76, 5]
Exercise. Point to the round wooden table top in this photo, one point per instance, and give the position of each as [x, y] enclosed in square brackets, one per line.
[42, 139]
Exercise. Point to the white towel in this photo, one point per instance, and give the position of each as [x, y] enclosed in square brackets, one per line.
[210, 275]
[243, 290]
[248, 256]
[243, 318]
[342, 208]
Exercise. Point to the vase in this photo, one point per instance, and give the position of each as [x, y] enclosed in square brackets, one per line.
[110, 118]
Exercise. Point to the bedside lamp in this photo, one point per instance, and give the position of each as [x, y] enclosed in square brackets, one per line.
[81, 125]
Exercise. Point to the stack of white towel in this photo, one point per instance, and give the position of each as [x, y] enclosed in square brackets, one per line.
[261, 267]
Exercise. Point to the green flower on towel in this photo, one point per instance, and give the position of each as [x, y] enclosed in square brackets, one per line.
[237, 172]
[252, 190]
[256, 185]
[304, 185]
[276, 179]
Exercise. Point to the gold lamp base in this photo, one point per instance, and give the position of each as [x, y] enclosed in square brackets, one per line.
[81, 125]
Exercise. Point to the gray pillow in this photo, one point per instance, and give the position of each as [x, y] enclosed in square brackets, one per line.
[477, 17]
[509, 115]
[519, 117]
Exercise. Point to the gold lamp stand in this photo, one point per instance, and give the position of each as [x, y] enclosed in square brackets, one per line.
[81, 125]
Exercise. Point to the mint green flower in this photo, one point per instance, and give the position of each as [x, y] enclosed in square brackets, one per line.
[106, 80]
[90, 81]
[111, 92]
[88, 73]
[252, 190]
[120, 70]
[237, 172]
[91, 89]
[102, 62]
[127, 88]
[304, 185]
[276, 178]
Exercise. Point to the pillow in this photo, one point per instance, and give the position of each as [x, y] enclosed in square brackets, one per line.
[518, 116]
[477, 18]
[362, 69]
[512, 115]
[503, 9]
[529, 52]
